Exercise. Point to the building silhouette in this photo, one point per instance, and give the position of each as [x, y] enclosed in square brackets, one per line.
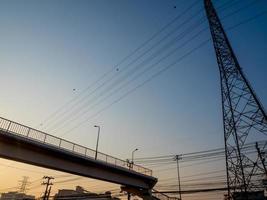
[81, 193]
[16, 196]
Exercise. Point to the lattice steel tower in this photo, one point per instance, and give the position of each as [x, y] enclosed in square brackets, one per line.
[244, 118]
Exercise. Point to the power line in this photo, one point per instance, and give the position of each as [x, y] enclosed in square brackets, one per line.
[157, 74]
[132, 53]
[125, 58]
[140, 85]
[145, 70]
[177, 38]
[198, 154]
[141, 55]
[195, 191]
[33, 171]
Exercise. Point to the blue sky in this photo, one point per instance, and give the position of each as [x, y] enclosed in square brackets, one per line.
[48, 48]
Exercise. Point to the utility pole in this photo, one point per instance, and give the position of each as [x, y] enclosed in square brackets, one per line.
[243, 114]
[47, 183]
[49, 191]
[128, 196]
[177, 158]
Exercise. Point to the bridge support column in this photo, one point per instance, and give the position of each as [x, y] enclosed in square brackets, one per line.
[144, 194]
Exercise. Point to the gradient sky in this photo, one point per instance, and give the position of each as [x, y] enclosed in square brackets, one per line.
[49, 48]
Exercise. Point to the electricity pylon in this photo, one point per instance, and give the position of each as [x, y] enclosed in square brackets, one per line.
[244, 117]
[23, 184]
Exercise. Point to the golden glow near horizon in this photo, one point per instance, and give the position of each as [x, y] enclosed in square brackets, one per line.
[12, 172]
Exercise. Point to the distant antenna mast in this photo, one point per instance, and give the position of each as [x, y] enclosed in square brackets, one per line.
[23, 184]
[243, 115]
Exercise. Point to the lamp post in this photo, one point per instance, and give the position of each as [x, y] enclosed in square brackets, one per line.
[131, 167]
[177, 158]
[133, 156]
[97, 140]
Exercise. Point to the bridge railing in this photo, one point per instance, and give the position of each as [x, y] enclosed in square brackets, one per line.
[38, 136]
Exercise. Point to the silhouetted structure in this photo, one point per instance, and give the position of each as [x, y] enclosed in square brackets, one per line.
[45, 150]
[23, 186]
[243, 116]
[48, 185]
[80, 193]
[16, 196]
[251, 196]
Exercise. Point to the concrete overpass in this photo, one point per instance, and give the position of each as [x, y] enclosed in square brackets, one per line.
[24, 144]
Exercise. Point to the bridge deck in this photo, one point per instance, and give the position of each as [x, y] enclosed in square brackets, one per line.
[28, 145]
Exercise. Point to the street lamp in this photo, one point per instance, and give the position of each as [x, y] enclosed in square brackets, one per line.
[97, 140]
[133, 156]
[177, 158]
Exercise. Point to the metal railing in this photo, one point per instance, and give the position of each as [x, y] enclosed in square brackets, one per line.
[44, 138]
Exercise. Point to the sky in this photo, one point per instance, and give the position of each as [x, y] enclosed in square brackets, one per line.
[55, 52]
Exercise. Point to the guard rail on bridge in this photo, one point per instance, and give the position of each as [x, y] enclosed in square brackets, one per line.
[44, 138]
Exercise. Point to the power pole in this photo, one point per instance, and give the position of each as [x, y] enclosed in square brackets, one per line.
[177, 158]
[244, 117]
[49, 191]
[128, 196]
[47, 183]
